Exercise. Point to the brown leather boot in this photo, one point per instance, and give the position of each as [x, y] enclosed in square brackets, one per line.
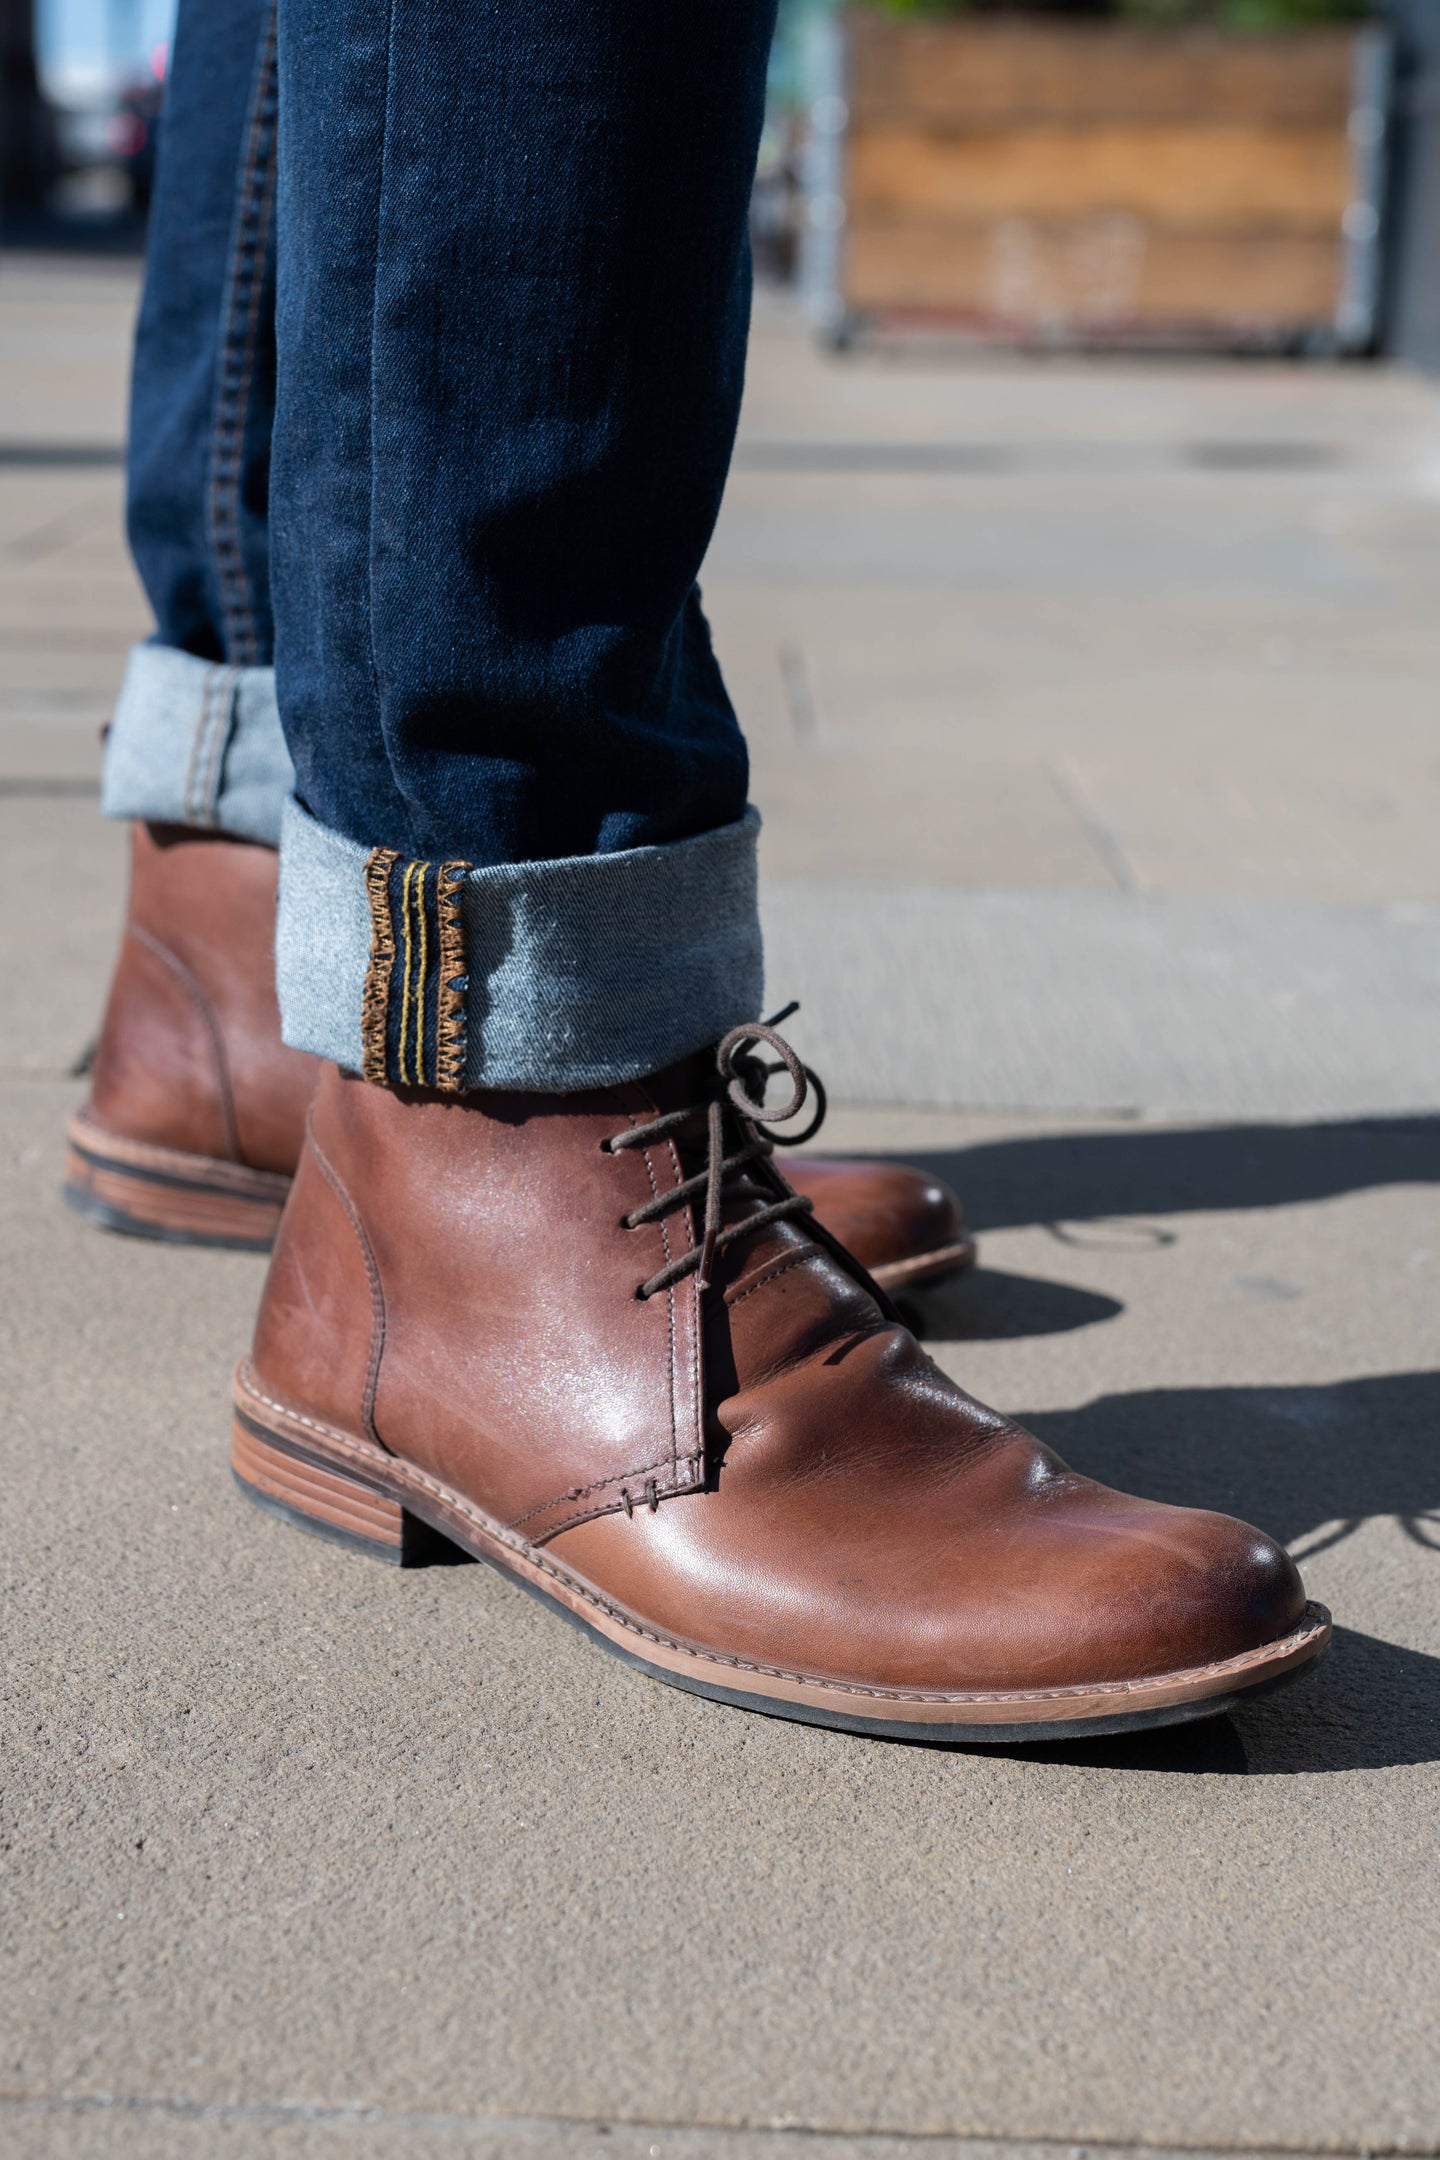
[197, 1110]
[904, 1227]
[597, 1341]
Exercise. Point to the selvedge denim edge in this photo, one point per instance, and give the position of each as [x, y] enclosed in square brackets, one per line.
[194, 742]
[549, 976]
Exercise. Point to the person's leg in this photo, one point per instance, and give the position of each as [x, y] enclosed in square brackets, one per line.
[196, 1114]
[196, 1108]
[514, 294]
[539, 1284]
[195, 739]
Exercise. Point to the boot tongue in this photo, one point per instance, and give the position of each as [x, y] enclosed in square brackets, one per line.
[690, 1080]
[692, 1083]
[801, 1322]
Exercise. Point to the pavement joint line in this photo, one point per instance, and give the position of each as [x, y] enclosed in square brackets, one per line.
[39, 542]
[1199, 1005]
[9, 1074]
[73, 786]
[1102, 836]
[282, 2113]
[933, 458]
[60, 456]
[799, 691]
[911, 458]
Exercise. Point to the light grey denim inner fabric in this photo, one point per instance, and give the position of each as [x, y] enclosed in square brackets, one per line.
[196, 743]
[581, 972]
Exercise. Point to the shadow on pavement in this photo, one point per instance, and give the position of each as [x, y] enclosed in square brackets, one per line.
[1093, 1190]
[989, 1306]
[1077, 1177]
[1308, 1464]
[1371, 1706]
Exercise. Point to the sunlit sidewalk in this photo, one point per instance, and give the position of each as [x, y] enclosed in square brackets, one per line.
[1092, 711]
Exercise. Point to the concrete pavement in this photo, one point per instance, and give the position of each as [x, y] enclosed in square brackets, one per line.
[303, 1856]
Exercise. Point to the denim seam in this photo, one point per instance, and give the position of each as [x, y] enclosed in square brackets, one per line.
[240, 327]
[199, 804]
[221, 728]
[381, 176]
[202, 721]
[195, 742]
[212, 732]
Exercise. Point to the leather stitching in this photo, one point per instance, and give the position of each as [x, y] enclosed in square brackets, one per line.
[372, 1272]
[595, 1514]
[194, 990]
[545, 1566]
[583, 1492]
[619, 1479]
[695, 1453]
[768, 1275]
[670, 1293]
[678, 1175]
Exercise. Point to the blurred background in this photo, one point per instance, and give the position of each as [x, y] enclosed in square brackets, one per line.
[1234, 174]
[83, 82]
[1241, 174]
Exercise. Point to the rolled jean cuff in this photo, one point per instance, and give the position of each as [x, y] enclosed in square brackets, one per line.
[549, 976]
[194, 742]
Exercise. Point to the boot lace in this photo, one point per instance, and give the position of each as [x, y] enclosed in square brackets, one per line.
[738, 1136]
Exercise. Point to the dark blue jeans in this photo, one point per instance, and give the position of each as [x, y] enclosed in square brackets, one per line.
[436, 381]
[202, 395]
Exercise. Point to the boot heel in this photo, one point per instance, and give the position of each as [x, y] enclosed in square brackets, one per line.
[156, 1192]
[327, 1501]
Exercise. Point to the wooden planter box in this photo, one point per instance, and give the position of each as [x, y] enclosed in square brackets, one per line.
[1098, 183]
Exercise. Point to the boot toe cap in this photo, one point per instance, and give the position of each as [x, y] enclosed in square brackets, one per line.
[887, 1214]
[1170, 1589]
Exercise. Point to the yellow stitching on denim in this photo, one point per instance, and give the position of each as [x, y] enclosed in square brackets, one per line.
[420, 972]
[375, 1003]
[405, 979]
[450, 998]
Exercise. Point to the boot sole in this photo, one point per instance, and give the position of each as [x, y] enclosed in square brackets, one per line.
[349, 1490]
[155, 1192]
[926, 1267]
